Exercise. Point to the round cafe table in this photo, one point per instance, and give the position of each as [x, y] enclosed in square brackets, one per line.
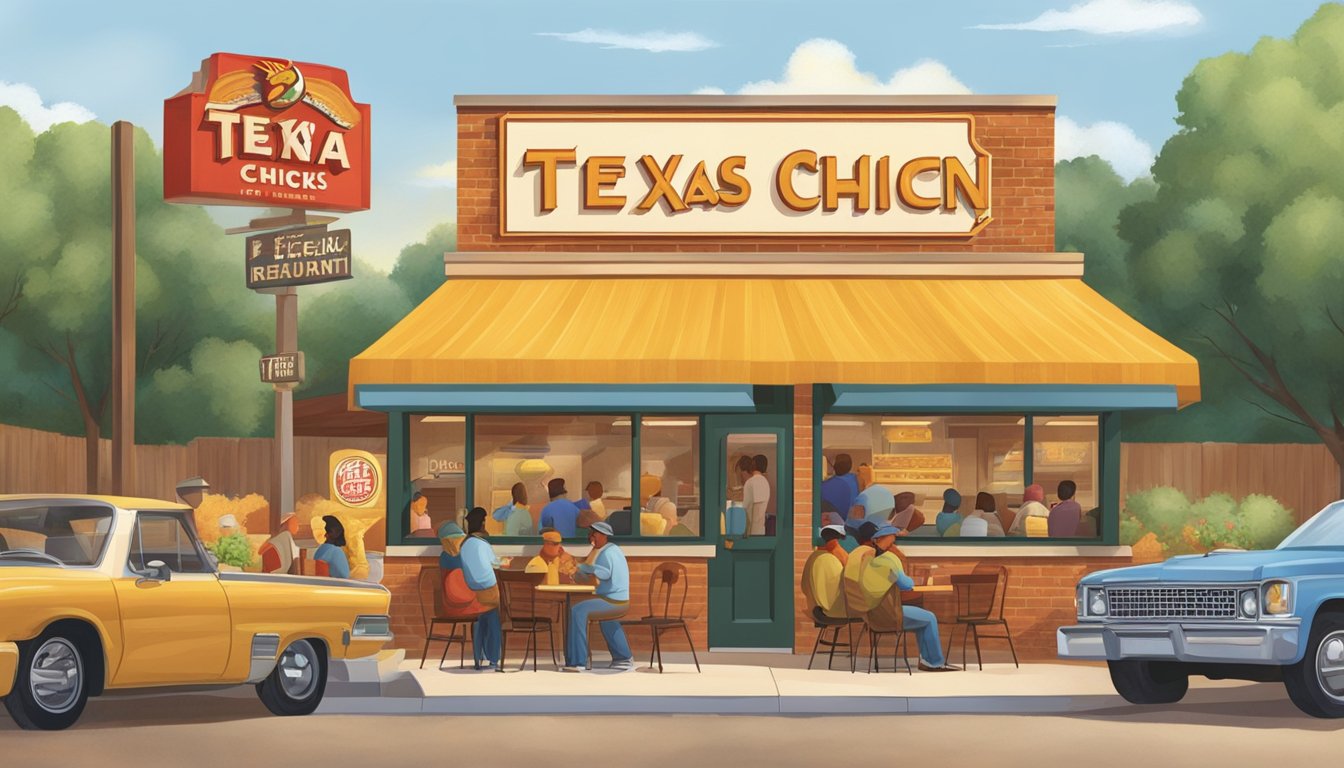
[569, 591]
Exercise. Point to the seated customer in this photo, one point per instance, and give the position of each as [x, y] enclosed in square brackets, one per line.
[884, 573]
[907, 517]
[681, 528]
[591, 508]
[822, 574]
[1066, 513]
[558, 565]
[607, 566]
[984, 520]
[331, 552]
[1032, 516]
[876, 502]
[657, 508]
[949, 517]
[458, 599]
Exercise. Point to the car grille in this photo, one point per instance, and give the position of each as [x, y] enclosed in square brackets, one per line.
[1172, 602]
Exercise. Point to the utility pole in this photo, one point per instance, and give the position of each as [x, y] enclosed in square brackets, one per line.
[286, 340]
[123, 308]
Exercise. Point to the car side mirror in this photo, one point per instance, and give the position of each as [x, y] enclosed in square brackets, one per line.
[159, 570]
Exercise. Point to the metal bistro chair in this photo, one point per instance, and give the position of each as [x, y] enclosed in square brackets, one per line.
[824, 623]
[980, 595]
[430, 586]
[854, 600]
[663, 583]
[518, 606]
[888, 619]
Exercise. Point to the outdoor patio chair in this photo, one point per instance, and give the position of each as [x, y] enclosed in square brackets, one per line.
[979, 597]
[429, 585]
[824, 623]
[664, 584]
[854, 602]
[520, 614]
[888, 619]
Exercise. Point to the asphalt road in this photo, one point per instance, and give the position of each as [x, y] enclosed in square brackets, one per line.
[1259, 728]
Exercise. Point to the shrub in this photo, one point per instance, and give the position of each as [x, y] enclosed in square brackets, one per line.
[1162, 511]
[1263, 523]
[1180, 527]
[1213, 522]
[233, 549]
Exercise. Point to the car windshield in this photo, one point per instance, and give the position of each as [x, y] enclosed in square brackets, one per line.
[1324, 529]
[54, 533]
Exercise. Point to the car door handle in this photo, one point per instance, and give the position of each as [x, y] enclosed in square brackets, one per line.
[147, 583]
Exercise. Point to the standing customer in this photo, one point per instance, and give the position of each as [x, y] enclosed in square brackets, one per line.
[755, 492]
[841, 489]
[605, 564]
[516, 518]
[561, 514]
[332, 551]
[478, 569]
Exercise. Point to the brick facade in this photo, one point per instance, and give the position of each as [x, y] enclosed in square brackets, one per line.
[1020, 141]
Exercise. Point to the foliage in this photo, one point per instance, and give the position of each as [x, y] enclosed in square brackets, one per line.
[1089, 196]
[340, 322]
[1177, 526]
[233, 549]
[419, 269]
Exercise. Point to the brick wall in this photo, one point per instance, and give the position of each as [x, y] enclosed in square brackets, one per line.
[804, 634]
[401, 573]
[1020, 141]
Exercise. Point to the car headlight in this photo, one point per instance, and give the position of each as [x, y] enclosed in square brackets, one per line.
[1276, 598]
[1096, 602]
[1250, 604]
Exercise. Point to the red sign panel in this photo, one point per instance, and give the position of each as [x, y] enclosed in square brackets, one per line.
[355, 481]
[266, 132]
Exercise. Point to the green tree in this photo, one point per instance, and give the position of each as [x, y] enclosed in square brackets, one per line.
[419, 268]
[341, 321]
[1238, 258]
[1089, 197]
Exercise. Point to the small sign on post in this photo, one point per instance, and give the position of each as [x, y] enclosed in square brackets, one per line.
[301, 256]
[282, 368]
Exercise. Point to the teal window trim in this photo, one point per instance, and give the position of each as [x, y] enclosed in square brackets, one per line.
[399, 476]
[1028, 450]
[558, 399]
[1053, 399]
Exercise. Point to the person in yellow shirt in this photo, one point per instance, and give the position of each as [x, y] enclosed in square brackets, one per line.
[884, 573]
[825, 571]
[558, 565]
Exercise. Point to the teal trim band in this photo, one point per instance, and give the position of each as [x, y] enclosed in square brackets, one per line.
[558, 398]
[968, 398]
[398, 477]
[1110, 478]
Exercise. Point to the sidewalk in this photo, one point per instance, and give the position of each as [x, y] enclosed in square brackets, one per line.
[776, 686]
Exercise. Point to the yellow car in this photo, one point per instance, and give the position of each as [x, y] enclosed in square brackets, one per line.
[100, 593]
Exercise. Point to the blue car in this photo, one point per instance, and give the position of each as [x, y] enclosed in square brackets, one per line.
[1263, 616]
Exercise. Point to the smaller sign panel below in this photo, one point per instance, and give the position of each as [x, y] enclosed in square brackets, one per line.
[282, 368]
[302, 256]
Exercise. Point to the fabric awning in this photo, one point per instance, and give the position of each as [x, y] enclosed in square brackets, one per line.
[671, 330]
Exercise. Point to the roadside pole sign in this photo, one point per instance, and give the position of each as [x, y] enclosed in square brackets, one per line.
[282, 368]
[298, 256]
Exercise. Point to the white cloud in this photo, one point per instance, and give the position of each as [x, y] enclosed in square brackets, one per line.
[828, 66]
[1115, 143]
[440, 175]
[25, 100]
[1112, 17]
[654, 42]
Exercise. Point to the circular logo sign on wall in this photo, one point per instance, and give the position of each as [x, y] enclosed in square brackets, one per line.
[355, 481]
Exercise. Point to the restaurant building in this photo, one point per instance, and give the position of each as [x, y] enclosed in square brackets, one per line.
[649, 288]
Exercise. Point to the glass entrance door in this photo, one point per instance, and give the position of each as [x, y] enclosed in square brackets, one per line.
[749, 492]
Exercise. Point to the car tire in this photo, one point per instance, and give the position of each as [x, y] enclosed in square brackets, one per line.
[1150, 682]
[1306, 681]
[296, 685]
[51, 685]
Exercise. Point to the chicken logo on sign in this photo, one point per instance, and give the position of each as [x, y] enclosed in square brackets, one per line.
[355, 481]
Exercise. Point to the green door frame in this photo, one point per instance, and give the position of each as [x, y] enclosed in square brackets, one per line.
[763, 565]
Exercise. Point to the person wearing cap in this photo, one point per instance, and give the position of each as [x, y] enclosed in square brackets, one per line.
[558, 565]
[883, 573]
[561, 513]
[192, 491]
[279, 553]
[515, 516]
[1033, 506]
[606, 565]
[824, 570]
[862, 552]
[332, 551]
[948, 521]
[478, 571]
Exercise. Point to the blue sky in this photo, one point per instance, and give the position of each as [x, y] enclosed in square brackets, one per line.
[1114, 64]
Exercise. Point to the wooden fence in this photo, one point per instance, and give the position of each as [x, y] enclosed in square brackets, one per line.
[1303, 477]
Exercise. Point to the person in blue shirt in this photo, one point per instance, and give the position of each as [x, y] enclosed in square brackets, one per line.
[331, 552]
[478, 568]
[561, 514]
[949, 516]
[841, 489]
[877, 503]
[516, 518]
[606, 565]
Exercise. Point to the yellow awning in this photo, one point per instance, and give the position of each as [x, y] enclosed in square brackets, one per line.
[646, 330]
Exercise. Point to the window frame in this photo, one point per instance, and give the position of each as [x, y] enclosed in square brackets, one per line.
[185, 524]
[401, 488]
[1108, 471]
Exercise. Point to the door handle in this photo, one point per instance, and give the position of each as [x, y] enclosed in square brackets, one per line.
[147, 583]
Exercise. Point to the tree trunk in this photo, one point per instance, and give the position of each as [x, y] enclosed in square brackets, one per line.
[92, 436]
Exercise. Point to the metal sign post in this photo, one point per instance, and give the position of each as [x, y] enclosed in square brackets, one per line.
[123, 309]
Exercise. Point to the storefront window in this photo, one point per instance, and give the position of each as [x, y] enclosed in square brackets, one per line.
[1065, 466]
[752, 471]
[588, 458]
[438, 471]
[669, 482]
[982, 460]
